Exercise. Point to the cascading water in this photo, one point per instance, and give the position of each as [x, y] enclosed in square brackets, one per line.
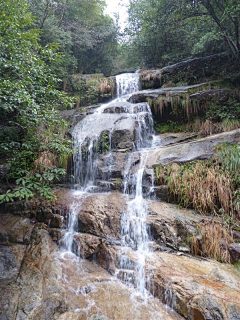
[87, 144]
[134, 232]
[127, 83]
[88, 136]
[72, 227]
[91, 135]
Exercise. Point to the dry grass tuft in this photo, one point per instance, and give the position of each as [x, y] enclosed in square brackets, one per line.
[203, 187]
[210, 187]
[105, 86]
[213, 242]
[46, 159]
[230, 124]
[209, 128]
[148, 75]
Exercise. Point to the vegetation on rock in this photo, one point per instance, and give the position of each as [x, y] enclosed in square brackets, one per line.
[203, 245]
[90, 89]
[218, 110]
[210, 187]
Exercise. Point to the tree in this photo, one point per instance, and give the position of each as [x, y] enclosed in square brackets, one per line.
[226, 16]
[29, 122]
[158, 34]
[86, 36]
[164, 32]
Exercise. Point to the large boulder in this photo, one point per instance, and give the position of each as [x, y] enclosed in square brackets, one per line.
[15, 229]
[86, 245]
[198, 149]
[29, 276]
[189, 71]
[195, 288]
[116, 164]
[172, 226]
[100, 214]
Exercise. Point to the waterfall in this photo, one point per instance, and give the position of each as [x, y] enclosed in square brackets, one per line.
[88, 133]
[72, 226]
[134, 231]
[127, 83]
[90, 136]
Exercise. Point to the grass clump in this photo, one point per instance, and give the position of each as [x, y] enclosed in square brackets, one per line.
[221, 117]
[212, 241]
[211, 187]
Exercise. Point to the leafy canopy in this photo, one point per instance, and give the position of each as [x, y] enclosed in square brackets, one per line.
[164, 32]
[29, 99]
[87, 37]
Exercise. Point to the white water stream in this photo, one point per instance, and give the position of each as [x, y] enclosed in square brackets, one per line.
[127, 83]
[134, 231]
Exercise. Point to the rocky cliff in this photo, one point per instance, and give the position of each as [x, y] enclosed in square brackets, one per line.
[111, 247]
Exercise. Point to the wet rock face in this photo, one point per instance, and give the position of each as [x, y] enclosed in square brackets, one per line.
[114, 166]
[86, 245]
[122, 139]
[100, 215]
[196, 150]
[195, 288]
[22, 275]
[120, 127]
[38, 282]
[172, 226]
[10, 262]
[15, 229]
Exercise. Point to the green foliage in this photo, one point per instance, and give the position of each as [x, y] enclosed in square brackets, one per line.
[28, 102]
[219, 111]
[237, 266]
[164, 32]
[104, 143]
[88, 93]
[160, 39]
[32, 183]
[168, 126]
[229, 157]
[86, 36]
[207, 42]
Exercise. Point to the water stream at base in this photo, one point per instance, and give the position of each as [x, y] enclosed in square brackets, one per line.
[135, 234]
